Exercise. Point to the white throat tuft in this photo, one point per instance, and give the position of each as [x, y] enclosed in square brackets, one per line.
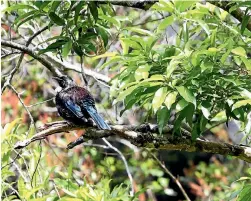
[58, 89]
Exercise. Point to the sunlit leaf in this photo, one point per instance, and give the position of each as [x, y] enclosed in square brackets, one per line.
[140, 31]
[239, 51]
[56, 19]
[66, 48]
[241, 103]
[170, 99]
[186, 94]
[163, 115]
[159, 98]
[165, 23]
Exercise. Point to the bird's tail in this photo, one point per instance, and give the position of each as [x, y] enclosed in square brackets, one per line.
[99, 120]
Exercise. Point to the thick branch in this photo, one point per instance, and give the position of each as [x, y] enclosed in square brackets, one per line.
[145, 136]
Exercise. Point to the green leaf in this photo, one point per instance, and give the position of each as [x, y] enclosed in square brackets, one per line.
[181, 105]
[163, 115]
[77, 49]
[239, 51]
[189, 114]
[245, 20]
[184, 113]
[54, 46]
[112, 60]
[241, 103]
[94, 10]
[229, 113]
[245, 193]
[247, 63]
[171, 67]
[66, 48]
[54, 6]
[183, 5]
[203, 123]
[170, 99]
[44, 4]
[186, 94]
[56, 19]
[225, 55]
[205, 111]
[140, 31]
[221, 116]
[123, 94]
[112, 20]
[103, 33]
[25, 15]
[17, 7]
[165, 23]
[77, 11]
[29, 18]
[87, 37]
[159, 98]
[195, 131]
[204, 26]
[142, 72]
[107, 54]
[163, 6]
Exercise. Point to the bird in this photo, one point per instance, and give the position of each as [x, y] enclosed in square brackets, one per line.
[76, 105]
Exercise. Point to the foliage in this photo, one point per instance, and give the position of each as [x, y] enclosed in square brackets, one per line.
[200, 74]
[206, 73]
[204, 76]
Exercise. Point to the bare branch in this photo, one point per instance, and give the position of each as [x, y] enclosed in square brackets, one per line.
[52, 63]
[171, 175]
[33, 54]
[14, 70]
[125, 162]
[146, 136]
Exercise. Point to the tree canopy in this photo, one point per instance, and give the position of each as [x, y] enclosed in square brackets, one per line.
[165, 73]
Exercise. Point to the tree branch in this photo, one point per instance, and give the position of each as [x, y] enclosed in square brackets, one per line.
[144, 5]
[33, 54]
[53, 64]
[237, 13]
[171, 175]
[145, 136]
[14, 70]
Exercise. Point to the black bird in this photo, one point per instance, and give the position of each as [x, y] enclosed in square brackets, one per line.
[76, 105]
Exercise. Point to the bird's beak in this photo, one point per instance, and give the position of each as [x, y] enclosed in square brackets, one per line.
[56, 78]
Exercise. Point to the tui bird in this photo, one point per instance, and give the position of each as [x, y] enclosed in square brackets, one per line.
[76, 105]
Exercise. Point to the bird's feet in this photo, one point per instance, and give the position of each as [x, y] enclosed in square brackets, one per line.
[76, 142]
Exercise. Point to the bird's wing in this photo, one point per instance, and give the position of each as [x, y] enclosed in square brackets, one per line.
[74, 108]
[90, 108]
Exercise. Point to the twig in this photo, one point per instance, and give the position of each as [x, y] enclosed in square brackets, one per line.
[125, 162]
[83, 73]
[13, 160]
[143, 23]
[56, 189]
[21, 101]
[10, 53]
[170, 174]
[40, 103]
[52, 64]
[14, 70]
